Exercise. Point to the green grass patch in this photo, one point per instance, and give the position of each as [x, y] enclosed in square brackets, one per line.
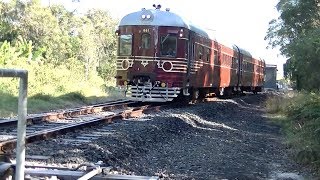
[299, 116]
[53, 87]
[44, 102]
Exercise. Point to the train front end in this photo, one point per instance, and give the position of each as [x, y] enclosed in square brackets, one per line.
[151, 61]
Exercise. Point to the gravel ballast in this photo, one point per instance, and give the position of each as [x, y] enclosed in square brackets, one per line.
[223, 139]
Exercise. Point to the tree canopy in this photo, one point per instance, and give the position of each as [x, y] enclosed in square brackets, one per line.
[297, 32]
[54, 35]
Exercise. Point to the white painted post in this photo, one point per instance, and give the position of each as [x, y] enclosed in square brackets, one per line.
[22, 125]
[22, 118]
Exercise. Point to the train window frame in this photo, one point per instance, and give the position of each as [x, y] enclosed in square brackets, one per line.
[145, 45]
[200, 52]
[208, 52]
[193, 52]
[234, 62]
[166, 51]
[120, 49]
[216, 57]
[224, 60]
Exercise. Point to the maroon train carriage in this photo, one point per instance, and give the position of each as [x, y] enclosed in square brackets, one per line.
[162, 56]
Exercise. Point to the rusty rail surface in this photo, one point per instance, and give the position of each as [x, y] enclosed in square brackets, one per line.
[58, 114]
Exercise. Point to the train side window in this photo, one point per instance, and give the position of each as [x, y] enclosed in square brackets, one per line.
[125, 45]
[223, 61]
[208, 55]
[145, 40]
[200, 52]
[168, 45]
[215, 57]
[235, 62]
[194, 51]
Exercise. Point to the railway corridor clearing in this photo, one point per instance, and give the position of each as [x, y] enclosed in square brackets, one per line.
[224, 139]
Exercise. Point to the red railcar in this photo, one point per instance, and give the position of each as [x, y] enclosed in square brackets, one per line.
[162, 56]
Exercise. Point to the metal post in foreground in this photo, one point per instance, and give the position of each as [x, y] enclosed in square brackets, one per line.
[22, 118]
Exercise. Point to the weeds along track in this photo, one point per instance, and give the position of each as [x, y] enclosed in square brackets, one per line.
[47, 125]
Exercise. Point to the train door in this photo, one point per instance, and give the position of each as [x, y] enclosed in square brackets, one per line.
[216, 65]
[239, 68]
[190, 57]
[143, 54]
[145, 41]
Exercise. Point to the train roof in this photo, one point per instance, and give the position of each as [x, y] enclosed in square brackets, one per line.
[160, 18]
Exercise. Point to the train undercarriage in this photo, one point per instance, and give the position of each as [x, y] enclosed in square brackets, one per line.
[153, 93]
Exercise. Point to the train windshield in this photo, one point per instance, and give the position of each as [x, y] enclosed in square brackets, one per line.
[168, 45]
[125, 45]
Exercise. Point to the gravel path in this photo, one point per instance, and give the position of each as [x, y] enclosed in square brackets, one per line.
[224, 139]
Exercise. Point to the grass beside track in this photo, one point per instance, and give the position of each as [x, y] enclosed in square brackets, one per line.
[299, 116]
[44, 103]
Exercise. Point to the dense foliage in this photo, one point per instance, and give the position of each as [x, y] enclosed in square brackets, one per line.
[55, 44]
[297, 32]
[65, 52]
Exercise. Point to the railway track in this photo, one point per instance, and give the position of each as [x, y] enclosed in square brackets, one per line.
[59, 114]
[51, 124]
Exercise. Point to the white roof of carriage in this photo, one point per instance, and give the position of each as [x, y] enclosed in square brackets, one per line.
[167, 18]
[160, 18]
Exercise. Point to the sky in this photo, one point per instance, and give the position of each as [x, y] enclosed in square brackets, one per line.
[241, 22]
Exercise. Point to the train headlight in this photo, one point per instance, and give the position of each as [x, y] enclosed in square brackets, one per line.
[143, 16]
[163, 84]
[181, 33]
[148, 16]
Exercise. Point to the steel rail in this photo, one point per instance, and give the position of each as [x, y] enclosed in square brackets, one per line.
[70, 112]
[53, 132]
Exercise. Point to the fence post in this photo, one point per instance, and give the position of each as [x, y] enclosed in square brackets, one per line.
[22, 118]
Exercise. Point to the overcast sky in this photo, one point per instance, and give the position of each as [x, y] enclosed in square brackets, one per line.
[242, 22]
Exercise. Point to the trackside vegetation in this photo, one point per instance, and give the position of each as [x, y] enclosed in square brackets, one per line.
[299, 115]
[70, 56]
[297, 33]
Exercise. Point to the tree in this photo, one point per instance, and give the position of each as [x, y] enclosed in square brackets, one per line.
[297, 33]
[7, 30]
[105, 41]
[58, 35]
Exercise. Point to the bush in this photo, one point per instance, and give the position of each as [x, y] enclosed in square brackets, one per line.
[301, 124]
[74, 96]
[50, 87]
[54, 80]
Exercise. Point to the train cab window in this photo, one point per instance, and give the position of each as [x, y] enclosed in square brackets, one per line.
[208, 52]
[125, 45]
[145, 40]
[168, 45]
[215, 57]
